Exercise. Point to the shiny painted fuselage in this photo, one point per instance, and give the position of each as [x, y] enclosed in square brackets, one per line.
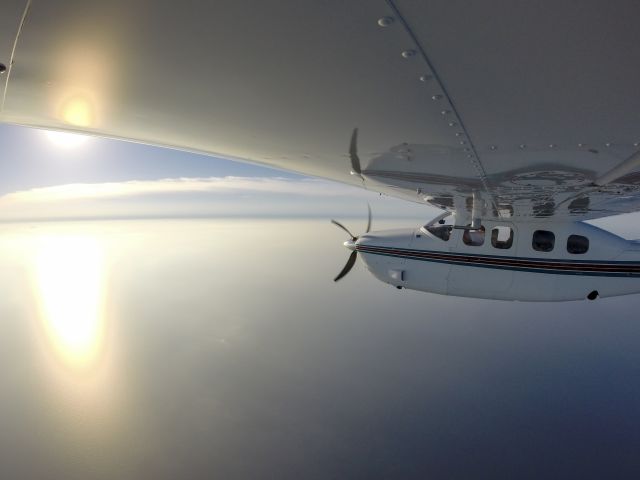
[415, 259]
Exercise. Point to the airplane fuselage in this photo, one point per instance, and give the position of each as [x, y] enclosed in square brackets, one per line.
[507, 261]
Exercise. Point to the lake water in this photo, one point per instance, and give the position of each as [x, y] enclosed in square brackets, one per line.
[223, 349]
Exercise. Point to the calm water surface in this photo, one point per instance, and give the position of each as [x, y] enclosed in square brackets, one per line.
[222, 349]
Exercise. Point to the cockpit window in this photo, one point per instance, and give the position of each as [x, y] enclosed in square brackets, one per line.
[443, 232]
[577, 244]
[502, 237]
[475, 238]
[543, 240]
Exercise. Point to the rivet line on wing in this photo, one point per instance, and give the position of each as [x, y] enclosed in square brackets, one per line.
[472, 154]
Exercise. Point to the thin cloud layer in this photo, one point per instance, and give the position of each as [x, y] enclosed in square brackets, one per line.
[195, 197]
[229, 185]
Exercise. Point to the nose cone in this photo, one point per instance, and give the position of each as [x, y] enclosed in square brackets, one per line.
[387, 238]
[350, 244]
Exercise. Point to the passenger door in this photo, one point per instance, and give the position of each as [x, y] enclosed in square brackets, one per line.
[473, 274]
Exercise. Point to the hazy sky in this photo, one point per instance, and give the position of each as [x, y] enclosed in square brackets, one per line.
[32, 159]
[48, 177]
[222, 348]
[87, 178]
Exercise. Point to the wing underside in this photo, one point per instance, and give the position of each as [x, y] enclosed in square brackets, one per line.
[525, 104]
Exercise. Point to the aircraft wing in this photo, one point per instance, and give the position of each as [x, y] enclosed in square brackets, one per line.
[532, 106]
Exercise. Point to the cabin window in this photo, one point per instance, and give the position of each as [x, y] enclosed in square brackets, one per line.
[577, 244]
[475, 238]
[502, 237]
[543, 240]
[443, 232]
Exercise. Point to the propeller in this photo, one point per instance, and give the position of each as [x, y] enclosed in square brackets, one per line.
[351, 261]
[351, 243]
[353, 154]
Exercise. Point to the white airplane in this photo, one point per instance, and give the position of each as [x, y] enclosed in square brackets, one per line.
[519, 120]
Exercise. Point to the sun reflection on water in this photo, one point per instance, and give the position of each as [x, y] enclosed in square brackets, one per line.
[85, 390]
[70, 288]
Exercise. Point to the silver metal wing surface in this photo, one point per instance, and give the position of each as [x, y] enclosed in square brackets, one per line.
[526, 105]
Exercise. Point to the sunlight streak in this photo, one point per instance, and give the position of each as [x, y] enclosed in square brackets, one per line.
[69, 283]
[66, 139]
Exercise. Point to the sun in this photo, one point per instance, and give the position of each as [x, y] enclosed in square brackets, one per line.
[66, 139]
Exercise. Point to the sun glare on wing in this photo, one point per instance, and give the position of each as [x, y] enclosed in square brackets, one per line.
[69, 284]
[66, 139]
[78, 111]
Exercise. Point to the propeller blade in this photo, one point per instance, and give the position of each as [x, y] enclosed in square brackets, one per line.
[338, 224]
[348, 266]
[353, 152]
[368, 219]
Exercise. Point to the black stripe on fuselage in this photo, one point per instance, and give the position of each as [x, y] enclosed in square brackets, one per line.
[563, 267]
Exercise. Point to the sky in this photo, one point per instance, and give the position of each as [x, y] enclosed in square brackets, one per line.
[61, 176]
[58, 176]
[223, 349]
[208, 339]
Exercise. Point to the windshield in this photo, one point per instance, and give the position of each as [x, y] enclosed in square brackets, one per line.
[443, 232]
